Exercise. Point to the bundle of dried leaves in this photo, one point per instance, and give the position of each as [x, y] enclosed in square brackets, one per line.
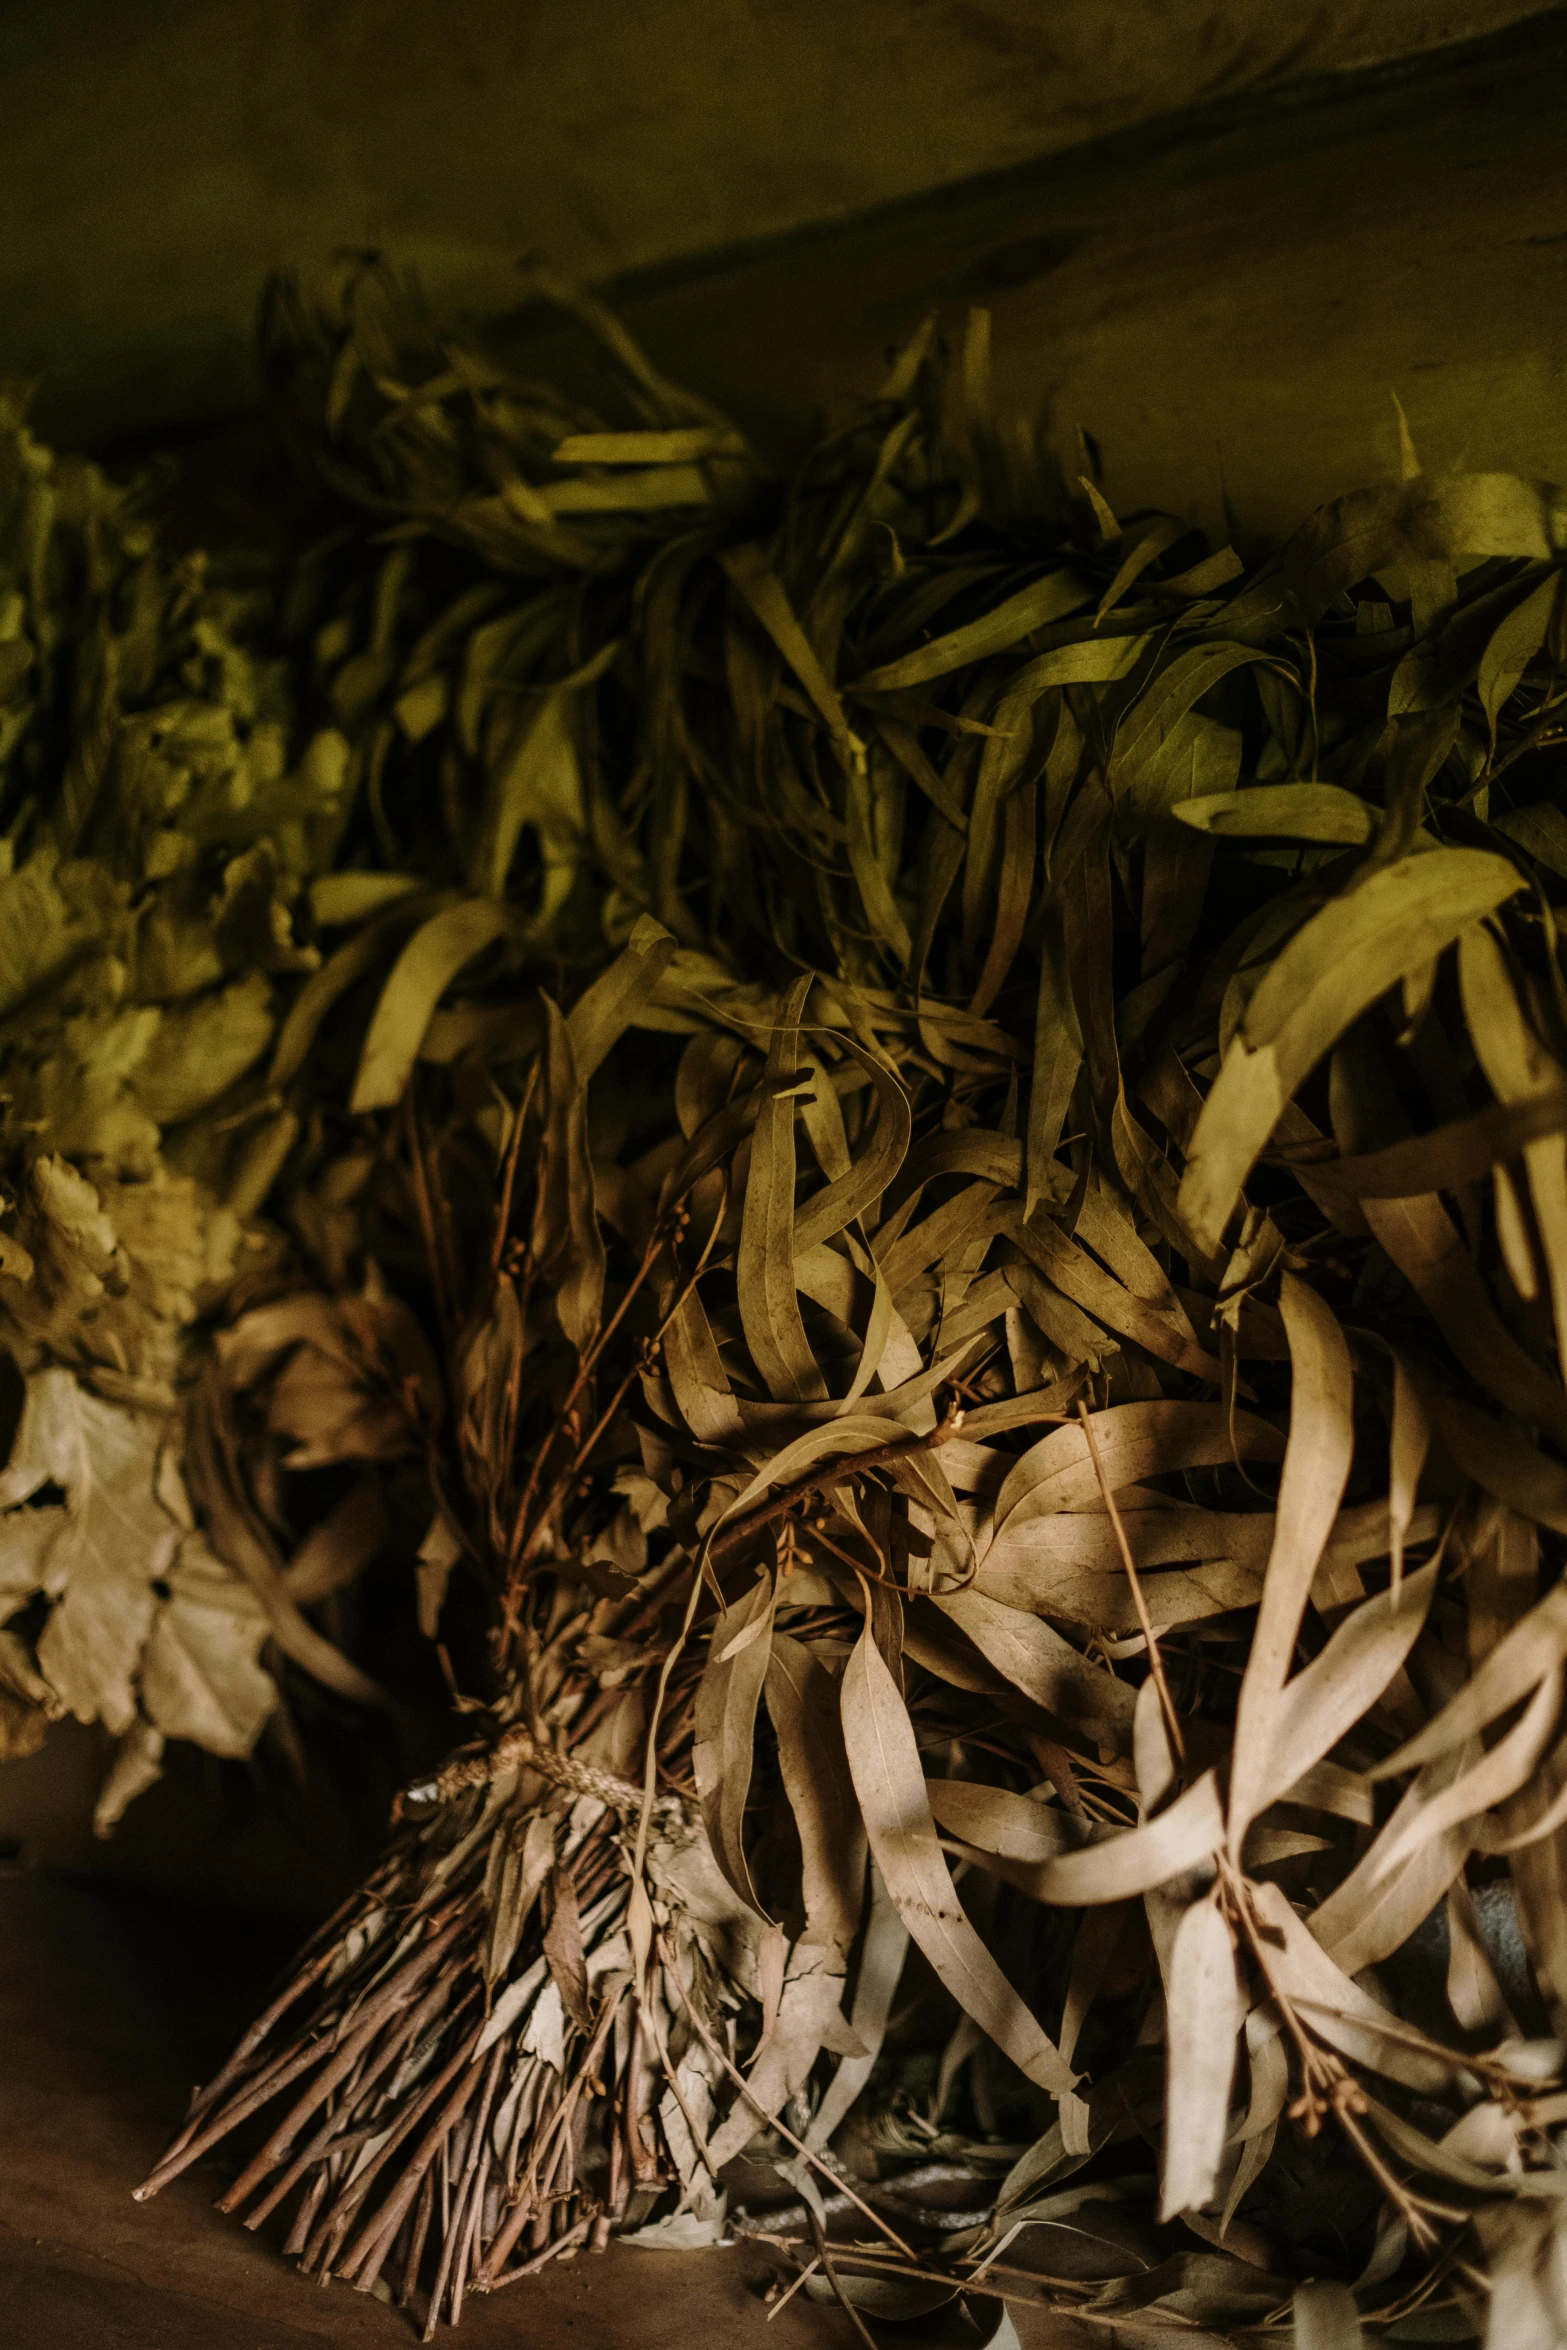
[991, 1385]
[163, 809]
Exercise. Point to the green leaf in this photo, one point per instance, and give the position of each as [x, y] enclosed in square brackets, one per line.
[764, 592]
[1281, 811]
[341, 971]
[1038, 605]
[1177, 687]
[419, 978]
[682, 445]
[1358, 946]
[1513, 646]
[604, 1011]
[40, 930]
[338, 899]
[764, 1271]
[202, 1047]
[1540, 831]
[566, 1244]
[539, 784]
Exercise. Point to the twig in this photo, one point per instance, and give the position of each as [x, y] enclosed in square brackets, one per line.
[206, 2097]
[650, 1777]
[840, 2184]
[793, 2286]
[503, 1213]
[563, 1417]
[517, 1747]
[554, 2128]
[819, 2235]
[1327, 2085]
[991, 2257]
[523, 1538]
[1156, 1662]
[455, 2248]
[871, 2256]
[1548, 715]
[607, 1415]
[416, 2242]
[530, 2268]
[857, 1464]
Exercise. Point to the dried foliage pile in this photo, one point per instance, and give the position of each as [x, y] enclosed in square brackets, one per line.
[929, 1137]
[161, 808]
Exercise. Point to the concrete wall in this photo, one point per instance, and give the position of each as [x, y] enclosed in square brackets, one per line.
[1228, 305]
[157, 159]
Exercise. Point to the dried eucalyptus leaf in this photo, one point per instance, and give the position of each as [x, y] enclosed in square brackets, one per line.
[884, 1760]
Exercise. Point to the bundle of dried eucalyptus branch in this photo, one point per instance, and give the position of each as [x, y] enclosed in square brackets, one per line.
[936, 1150]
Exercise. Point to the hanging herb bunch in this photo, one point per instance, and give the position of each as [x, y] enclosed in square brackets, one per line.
[941, 1124]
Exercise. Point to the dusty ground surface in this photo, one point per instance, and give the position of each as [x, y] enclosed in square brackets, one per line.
[110, 2008]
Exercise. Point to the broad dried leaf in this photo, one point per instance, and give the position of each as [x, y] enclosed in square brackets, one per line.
[419, 978]
[803, 1704]
[727, 1697]
[1182, 1838]
[200, 1675]
[1042, 1664]
[1203, 2015]
[1316, 1469]
[885, 1762]
[769, 1306]
[1356, 948]
[1326, 2318]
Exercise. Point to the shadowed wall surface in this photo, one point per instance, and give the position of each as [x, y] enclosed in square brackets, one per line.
[158, 161]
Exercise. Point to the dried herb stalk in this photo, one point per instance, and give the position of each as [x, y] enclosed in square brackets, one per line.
[932, 1131]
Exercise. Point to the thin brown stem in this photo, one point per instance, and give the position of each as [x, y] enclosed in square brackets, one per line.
[819, 2237]
[793, 2286]
[531, 2268]
[1156, 1662]
[840, 2184]
[585, 1370]
[508, 1181]
[1545, 719]
[840, 1472]
[456, 2244]
[440, 1270]
[522, 1543]
[416, 2242]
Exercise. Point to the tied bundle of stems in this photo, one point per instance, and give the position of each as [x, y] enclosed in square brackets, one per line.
[1000, 1361]
[471, 2087]
[472, 2074]
[472, 2057]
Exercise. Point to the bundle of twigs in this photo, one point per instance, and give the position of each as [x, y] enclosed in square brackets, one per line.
[1010, 1339]
[474, 2057]
[426, 2115]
